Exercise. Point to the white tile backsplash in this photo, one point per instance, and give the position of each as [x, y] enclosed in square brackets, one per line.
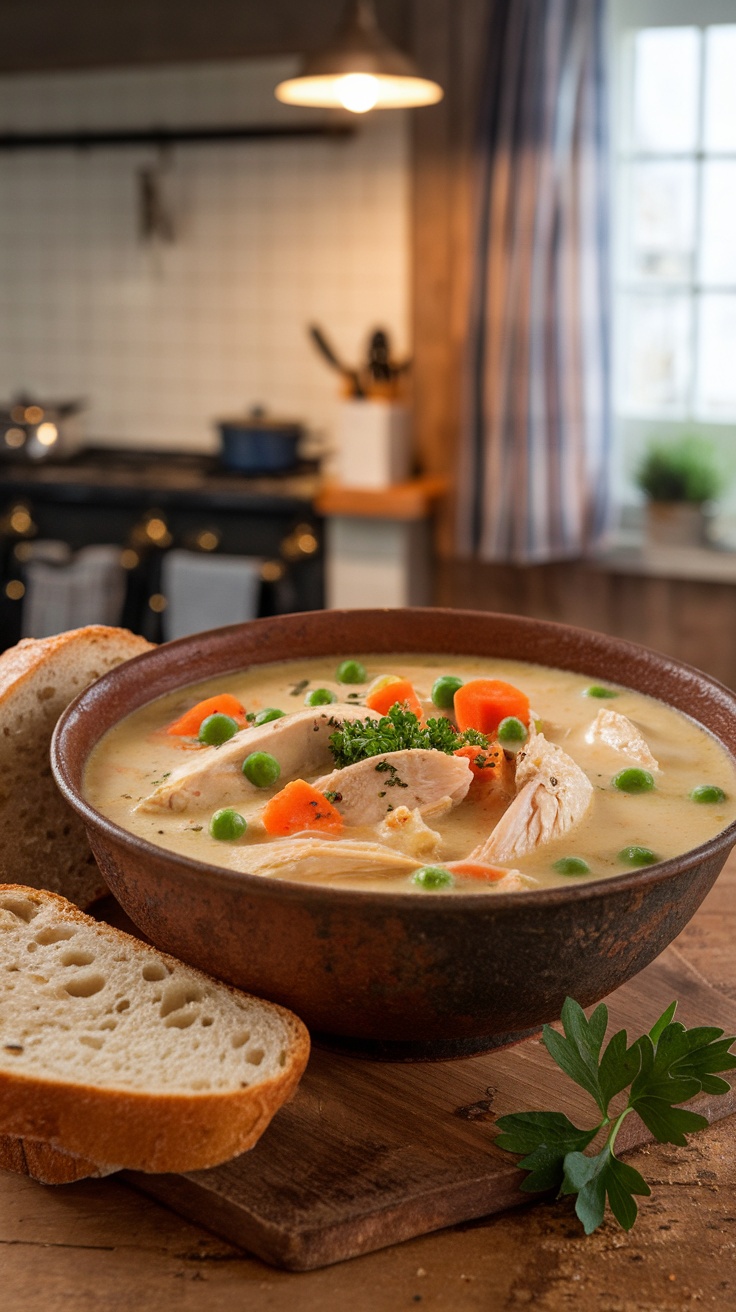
[160, 338]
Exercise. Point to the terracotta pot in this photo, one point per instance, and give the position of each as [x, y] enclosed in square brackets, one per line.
[389, 973]
[675, 524]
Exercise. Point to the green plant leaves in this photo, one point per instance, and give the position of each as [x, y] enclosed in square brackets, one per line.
[594, 1179]
[545, 1138]
[396, 731]
[661, 1069]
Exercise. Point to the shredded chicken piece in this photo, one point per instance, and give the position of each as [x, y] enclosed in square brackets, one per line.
[617, 731]
[554, 795]
[417, 778]
[405, 831]
[308, 856]
[213, 776]
[513, 882]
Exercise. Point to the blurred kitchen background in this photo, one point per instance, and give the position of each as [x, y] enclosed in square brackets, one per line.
[257, 357]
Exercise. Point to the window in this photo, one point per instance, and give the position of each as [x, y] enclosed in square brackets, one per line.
[674, 143]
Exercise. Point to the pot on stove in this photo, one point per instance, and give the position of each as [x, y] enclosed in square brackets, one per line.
[256, 443]
[33, 430]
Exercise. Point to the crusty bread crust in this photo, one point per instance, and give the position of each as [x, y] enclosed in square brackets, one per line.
[42, 841]
[41, 1162]
[146, 1130]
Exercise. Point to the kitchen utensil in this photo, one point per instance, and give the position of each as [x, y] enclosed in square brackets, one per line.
[355, 388]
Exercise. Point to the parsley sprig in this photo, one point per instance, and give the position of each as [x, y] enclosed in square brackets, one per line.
[395, 732]
[665, 1067]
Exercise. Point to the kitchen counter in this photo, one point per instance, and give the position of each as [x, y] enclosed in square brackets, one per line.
[98, 1245]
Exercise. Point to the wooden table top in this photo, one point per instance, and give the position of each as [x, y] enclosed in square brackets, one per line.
[99, 1245]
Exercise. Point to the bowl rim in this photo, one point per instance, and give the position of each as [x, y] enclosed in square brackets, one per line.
[588, 889]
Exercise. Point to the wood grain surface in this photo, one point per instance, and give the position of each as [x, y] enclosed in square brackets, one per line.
[98, 1244]
[370, 1153]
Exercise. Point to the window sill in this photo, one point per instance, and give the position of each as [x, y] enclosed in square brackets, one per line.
[706, 564]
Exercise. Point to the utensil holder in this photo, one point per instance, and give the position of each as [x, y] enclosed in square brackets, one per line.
[373, 444]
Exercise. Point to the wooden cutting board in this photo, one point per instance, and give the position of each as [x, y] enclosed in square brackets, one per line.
[368, 1154]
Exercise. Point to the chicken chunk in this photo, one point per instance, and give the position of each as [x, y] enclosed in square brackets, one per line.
[213, 778]
[405, 831]
[617, 731]
[310, 857]
[553, 796]
[417, 778]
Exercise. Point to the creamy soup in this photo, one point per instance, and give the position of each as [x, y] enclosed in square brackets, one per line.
[592, 780]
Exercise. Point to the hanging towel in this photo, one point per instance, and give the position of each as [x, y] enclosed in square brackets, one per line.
[206, 592]
[63, 593]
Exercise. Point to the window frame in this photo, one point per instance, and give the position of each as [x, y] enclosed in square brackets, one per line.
[633, 429]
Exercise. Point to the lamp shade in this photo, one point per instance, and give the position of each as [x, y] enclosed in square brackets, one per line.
[360, 70]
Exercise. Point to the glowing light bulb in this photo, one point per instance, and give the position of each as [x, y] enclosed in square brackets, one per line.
[357, 92]
[47, 434]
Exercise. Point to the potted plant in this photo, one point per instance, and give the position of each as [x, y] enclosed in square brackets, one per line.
[678, 480]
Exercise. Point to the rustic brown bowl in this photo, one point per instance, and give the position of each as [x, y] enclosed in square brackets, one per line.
[392, 974]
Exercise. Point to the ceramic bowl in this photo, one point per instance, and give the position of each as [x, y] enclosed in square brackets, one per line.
[393, 974]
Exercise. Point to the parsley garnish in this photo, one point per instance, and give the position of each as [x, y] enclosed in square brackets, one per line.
[395, 732]
[662, 1068]
[297, 688]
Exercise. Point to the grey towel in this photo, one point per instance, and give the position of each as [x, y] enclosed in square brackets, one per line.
[206, 592]
[89, 589]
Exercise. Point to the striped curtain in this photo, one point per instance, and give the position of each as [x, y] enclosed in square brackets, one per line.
[535, 443]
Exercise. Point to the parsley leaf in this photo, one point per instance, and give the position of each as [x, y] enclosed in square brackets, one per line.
[661, 1069]
[545, 1138]
[603, 1176]
[395, 732]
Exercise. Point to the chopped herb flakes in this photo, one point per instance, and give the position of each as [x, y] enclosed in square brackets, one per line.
[298, 688]
[395, 732]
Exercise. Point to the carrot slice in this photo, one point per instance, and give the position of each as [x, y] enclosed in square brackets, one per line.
[484, 761]
[224, 703]
[297, 807]
[475, 870]
[484, 703]
[399, 690]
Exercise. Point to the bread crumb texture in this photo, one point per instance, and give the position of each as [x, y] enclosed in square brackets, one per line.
[81, 1001]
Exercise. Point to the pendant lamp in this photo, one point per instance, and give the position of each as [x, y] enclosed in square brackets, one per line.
[359, 70]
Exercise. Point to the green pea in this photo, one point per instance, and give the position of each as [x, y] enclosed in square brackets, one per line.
[351, 672]
[216, 729]
[268, 713]
[633, 780]
[228, 825]
[511, 732]
[444, 689]
[320, 697]
[638, 856]
[432, 877]
[707, 793]
[571, 865]
[261, 769]
[597, 690]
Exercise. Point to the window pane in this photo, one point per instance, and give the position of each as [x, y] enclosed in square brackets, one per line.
[666, 77]
[654, 354]
[720, 87]
[718, 249]
[716, 386]
[662, 221]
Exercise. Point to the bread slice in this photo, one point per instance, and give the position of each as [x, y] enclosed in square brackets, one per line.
[43, 1163]
[42, 841]
[116, 1053]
